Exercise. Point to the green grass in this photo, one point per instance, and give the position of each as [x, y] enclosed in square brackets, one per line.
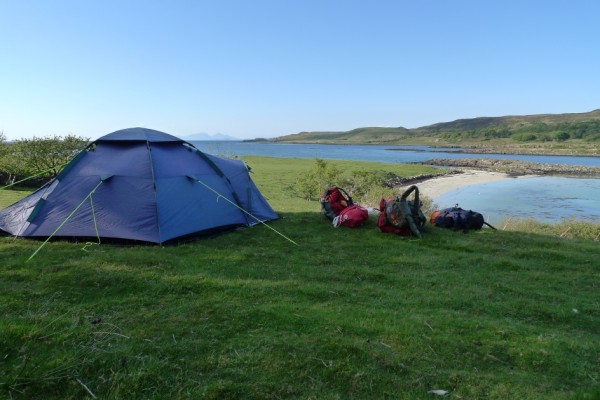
[276, 176]
[349, 313]
[12, 195]
[571, 229]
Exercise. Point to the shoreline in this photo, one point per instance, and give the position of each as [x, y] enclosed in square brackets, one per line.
[437, 186]
[516, 167]
[466, 149]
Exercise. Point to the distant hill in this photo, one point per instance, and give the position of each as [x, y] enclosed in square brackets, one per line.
[540, 127]
[208, 136]
[510, 122]
[359, 135]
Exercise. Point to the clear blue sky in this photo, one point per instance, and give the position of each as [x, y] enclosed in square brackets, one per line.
[269, 68]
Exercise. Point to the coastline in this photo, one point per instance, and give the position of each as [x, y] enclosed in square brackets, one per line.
[466, 149]
[437, 186]
[482, 170]
[516, 167]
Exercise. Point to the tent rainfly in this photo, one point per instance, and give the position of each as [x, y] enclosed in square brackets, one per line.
[143, 185]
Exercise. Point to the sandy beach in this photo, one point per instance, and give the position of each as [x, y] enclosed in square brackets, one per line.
[437, 186]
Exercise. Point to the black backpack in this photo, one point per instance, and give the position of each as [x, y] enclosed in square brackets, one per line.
[458, 218]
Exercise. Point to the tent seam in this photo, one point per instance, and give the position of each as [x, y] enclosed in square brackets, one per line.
[160, 241]
[227, 181]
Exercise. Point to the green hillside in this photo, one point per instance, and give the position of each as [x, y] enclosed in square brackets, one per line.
[359, 135]
[541, 128]
[512, 122]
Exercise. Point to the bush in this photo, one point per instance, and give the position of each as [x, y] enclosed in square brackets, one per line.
[321, 176]
[44, 156]
[367, 187]
[561, 136]
[524, 137]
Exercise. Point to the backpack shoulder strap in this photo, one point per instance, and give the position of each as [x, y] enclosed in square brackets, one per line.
[408, 213]
[489, 225]
[348, 198]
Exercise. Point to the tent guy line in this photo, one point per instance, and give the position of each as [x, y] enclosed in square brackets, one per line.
[89, 196]
[32, 176]
[103, 179]
[147, 196]
[219, 195]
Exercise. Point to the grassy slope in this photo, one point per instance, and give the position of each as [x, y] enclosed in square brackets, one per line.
[510, 121]
[347, 314]
[430, 135]
[360, 135]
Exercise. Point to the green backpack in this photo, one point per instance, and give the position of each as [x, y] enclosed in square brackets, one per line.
[402, 216]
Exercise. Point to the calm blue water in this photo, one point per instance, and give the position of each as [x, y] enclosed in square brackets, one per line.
[547, 199]
[381, 153]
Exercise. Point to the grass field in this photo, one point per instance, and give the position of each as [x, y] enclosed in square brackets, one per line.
[347, 314]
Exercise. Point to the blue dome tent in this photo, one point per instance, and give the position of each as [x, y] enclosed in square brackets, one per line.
[143, 185]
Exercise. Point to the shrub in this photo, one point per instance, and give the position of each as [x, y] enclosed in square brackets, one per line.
[367, 187]
[561, 136]
[44, 156]
[524, 137]
[321, 176]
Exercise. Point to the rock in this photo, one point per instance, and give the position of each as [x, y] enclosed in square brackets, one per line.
[516, 167]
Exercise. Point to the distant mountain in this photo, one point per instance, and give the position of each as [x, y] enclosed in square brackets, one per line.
[208, 136]
[539, 127]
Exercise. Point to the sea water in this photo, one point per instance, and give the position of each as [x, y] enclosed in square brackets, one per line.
[381, 153]
[545, 199]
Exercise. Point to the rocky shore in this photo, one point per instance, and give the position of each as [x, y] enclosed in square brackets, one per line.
[516, 167]
[398, 181]
[537, 149]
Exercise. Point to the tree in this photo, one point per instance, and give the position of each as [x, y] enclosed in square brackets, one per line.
[7, 168]
[45, 156]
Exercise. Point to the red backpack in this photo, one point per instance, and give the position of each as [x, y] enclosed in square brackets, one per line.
[333, 201]
[351, 217]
